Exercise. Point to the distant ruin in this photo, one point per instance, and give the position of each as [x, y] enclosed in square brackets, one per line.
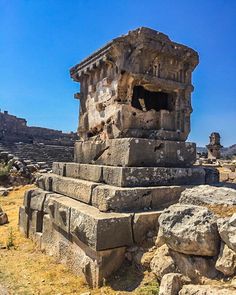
[131, 162]
[34, 144]
[14, 129]
[214, 147]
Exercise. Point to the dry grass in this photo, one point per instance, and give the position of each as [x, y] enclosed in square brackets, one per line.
[221, 210]
[26, 270]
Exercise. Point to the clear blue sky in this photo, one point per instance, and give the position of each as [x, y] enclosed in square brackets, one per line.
[41, 39]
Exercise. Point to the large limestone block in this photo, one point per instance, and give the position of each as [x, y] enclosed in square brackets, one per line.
[81, 171]
[34, 199]
[227, 231]
[144, 222]
[90, 226]
[136, 152]
[190, 230]
[206, 290]
[50, 237]
[226, 262]
[94, 266]
[167, 261]
[194, 266]
[106, 197]
[99, 230]
[74, 188]
[131, 176]
[208, 195]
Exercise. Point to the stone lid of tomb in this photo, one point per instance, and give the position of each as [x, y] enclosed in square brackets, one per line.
[140, 39]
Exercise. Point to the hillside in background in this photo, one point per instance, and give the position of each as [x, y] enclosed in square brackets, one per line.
[225, 152]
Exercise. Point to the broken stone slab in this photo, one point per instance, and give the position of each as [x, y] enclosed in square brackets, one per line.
[227, 231]
[132, 176]
[89, 225]
[136, 152]
[207, 290]
[208, 195]
[94, 266]
[190, 230]
[144, 222]
[106, 197]
[226, 262]
[80, 190]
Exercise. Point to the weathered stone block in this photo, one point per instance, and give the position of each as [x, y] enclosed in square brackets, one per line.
[106, 197]
[23, 221]
[35, 223]
[143, 222]
[74, 188]
[136, 152]
[99, 230]
[58, 168]
[87, 172]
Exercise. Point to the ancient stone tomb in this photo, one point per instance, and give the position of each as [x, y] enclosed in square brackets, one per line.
[132, 160]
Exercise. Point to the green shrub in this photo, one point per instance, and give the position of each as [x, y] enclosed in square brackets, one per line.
[4, 171]
[151, 288]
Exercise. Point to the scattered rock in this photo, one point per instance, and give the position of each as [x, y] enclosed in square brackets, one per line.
[226, 262]
[172, 283]
[162, 263]
[190, 230]
[227, 231]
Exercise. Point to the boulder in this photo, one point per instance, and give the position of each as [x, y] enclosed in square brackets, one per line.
[194, 267]
[227, 231]
[208, 195]
[162, 263]
[206, 290]
[190, 230]
[3, 217]
[171, 283]
[226, 262]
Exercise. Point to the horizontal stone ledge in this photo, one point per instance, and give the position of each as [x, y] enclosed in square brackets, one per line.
[112, 198]
[78, 189]
[136, 152]
[98, 230]
[131, 176]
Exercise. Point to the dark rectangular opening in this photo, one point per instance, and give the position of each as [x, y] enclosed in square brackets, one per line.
[145, 100]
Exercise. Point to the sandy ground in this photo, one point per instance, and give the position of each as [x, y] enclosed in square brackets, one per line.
[24, 269]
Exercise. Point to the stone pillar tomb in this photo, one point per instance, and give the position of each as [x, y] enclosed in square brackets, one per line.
[132, 159]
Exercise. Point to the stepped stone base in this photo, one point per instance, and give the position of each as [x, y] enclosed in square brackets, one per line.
[131, 176]
[81, 236]
[79, 216]
[136, 152]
